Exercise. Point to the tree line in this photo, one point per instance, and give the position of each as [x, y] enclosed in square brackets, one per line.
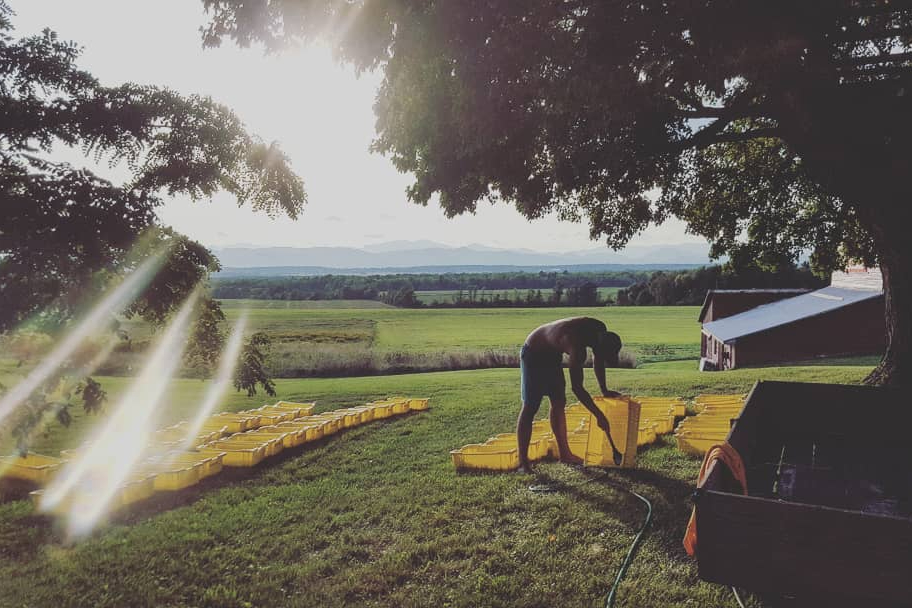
[524, 289]
[689, 287]
[378, 287]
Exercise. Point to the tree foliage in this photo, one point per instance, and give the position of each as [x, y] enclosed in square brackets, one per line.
[64, 229]
[251, 369]
[770, 127]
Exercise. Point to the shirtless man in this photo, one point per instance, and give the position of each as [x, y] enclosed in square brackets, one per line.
[541, 365]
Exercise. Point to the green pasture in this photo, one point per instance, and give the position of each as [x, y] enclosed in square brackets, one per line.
[376, 516]
[341, 339]
[646, 330]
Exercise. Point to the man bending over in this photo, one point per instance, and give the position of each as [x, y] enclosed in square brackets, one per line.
[541, 365]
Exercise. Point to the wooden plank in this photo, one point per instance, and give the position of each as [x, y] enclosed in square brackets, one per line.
[803, 550]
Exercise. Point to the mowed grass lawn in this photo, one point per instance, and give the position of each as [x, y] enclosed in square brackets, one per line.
[376, 516]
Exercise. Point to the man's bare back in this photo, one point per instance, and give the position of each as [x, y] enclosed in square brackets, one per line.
[542, 373]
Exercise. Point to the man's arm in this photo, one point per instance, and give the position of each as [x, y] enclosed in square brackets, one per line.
[575, 364]
[577, 358]
[598, 366]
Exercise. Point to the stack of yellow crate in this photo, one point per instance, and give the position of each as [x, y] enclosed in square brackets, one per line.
[696, 434]
[585, 439]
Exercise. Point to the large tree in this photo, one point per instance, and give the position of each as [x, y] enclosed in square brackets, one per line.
[67, 234]
[770, 127]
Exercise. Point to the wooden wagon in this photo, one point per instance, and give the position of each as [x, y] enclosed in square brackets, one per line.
[828, 516]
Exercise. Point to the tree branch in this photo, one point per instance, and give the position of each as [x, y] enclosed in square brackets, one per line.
[861, 61]
[863, 34]
[712, 135]
[727, 113]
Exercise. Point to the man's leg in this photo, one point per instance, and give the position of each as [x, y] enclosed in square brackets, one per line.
[524, 430]
[559, 428]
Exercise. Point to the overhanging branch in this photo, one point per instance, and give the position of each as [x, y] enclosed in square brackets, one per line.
[710, 136]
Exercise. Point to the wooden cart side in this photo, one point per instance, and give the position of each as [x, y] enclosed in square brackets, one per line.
[803, 550]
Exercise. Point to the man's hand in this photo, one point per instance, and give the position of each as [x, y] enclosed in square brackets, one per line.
[611, 394]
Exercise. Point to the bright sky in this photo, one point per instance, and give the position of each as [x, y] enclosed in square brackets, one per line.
[319, 112]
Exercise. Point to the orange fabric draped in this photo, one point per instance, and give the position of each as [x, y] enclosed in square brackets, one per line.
[732, 459]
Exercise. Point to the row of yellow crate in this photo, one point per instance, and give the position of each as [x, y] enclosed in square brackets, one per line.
[177, 470]
[710, 426]
[630, 422]
[168, 472]
[249, 448]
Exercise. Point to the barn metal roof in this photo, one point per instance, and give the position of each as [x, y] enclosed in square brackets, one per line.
[786, 311]
[710, 294]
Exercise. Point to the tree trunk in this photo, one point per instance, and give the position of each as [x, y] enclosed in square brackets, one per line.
[893, 240]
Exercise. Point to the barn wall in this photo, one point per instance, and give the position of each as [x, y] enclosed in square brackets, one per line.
[855, 329]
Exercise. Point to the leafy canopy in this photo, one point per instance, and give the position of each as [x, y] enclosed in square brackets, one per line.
[747, 119]
[65, 231]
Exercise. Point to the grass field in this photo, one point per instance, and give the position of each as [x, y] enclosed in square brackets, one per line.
[378, 517]
[342, 341]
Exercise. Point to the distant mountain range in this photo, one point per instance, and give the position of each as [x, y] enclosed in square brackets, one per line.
[427, 256]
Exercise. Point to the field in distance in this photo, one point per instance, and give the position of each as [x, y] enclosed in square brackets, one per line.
[445, 296]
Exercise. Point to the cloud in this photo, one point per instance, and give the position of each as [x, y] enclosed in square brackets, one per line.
[333, 218]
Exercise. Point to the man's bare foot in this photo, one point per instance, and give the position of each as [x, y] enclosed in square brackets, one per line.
[618, 458]
[525, 468]
[571, 459]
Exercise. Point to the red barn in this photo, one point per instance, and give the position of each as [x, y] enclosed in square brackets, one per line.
[846, 318]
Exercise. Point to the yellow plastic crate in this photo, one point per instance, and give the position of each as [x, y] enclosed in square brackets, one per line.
[303, 409]
[419, 405]
[234, 455]
[646, 433]
[209, 464]
[677, 405]
[172, 434]
[174, 476]
[578, 441]
[206, 437]
[135, 490]
[267, 417]
[32, 467]
[538, 446]
[624, 417]
[710, 398]
[350, 419]
[272, 445]
[310, 431]
[485, 457]
[331, 423]
[367, 413]
[237, 423]
[401, 407]
[286, 413]
[382, 410]
[290, 438]
[698, 443]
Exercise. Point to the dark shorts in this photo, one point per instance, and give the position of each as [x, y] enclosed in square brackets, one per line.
[542, 375]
